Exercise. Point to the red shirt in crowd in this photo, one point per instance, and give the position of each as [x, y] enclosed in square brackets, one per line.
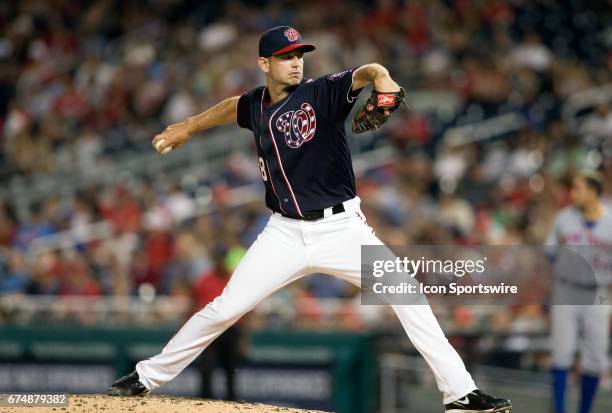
[208, 287]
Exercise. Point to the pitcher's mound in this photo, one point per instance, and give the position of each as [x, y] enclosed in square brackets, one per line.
[154, 404]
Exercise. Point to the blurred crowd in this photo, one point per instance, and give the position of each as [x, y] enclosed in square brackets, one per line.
[84, 82]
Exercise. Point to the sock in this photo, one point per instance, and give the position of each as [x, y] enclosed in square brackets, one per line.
[589, 387]
[559, 384]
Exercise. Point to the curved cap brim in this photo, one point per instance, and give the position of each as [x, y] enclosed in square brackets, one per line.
[304, 46]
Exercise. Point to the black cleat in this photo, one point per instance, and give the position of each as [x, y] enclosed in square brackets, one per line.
[128, 385]
[479, 402]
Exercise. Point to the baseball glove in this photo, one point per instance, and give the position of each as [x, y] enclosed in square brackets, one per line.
[376, 110]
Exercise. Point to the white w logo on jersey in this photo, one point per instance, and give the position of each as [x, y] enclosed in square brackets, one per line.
[298, 126]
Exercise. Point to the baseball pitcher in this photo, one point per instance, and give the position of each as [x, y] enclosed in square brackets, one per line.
[316, 223]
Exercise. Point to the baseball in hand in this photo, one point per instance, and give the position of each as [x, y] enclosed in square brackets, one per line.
[165, 150]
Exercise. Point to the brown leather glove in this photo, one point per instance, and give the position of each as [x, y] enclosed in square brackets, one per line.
[376, 110]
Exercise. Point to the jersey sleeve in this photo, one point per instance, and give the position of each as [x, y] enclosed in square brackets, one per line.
[553, 240]
[553, 235]
[334, 94]
[244, 109]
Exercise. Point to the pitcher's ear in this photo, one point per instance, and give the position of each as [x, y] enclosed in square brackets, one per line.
[264, 64]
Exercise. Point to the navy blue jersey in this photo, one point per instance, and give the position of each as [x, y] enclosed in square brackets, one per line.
[301, 144]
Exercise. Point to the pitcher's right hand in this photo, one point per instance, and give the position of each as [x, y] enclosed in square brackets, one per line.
[171, 138]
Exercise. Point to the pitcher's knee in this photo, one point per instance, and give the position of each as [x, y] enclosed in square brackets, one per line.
[221, 312]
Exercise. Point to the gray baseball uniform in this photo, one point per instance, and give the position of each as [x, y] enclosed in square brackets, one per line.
[593, 242]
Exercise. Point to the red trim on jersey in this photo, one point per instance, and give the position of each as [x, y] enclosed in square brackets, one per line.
[280, 204]
[287, 49]
[280, 163]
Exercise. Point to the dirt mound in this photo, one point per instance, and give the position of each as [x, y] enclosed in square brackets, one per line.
[154, 404]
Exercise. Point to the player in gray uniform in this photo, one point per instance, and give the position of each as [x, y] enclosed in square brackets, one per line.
[585, 228]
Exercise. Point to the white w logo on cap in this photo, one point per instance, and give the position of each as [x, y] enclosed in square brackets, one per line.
[291, 34]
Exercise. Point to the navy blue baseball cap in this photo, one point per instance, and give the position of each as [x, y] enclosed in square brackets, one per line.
[280, 40]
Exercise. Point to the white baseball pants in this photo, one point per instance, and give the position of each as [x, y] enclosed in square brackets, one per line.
[285, 251]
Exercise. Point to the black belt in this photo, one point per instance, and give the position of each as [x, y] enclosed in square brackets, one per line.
[316, 214]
